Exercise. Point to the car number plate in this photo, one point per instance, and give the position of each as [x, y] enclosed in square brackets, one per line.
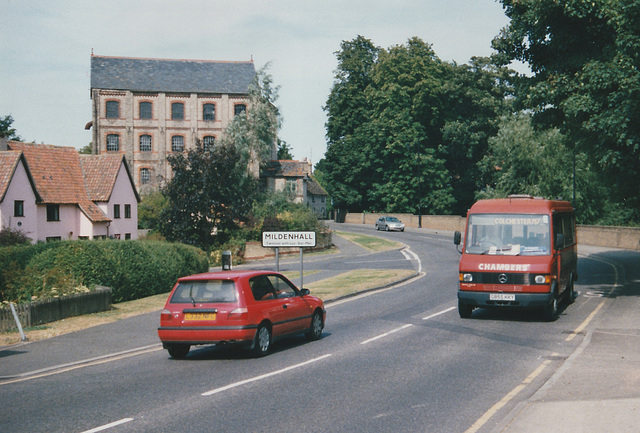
[502, 297]
[199, 316]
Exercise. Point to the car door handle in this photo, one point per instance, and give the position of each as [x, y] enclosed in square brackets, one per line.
[284, 306]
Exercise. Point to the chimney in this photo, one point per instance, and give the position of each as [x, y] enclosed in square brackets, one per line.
[3, 143]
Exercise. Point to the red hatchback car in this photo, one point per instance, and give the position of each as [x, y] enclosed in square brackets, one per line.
[251, 308]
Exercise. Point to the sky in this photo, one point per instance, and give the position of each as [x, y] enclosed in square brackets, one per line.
[46, 46]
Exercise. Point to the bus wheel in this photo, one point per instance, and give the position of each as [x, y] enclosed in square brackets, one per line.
[464, 310]
[570, 293]
[550, 312]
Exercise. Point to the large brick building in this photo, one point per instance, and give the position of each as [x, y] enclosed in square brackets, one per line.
[146, 109]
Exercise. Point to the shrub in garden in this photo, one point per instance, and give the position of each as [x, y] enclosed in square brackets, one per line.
[133, 269]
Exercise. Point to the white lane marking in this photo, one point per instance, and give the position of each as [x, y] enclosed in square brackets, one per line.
[108, 426]
[387, 333]
[410, 255]
[437, 314]
[80, 364]
[264, 376]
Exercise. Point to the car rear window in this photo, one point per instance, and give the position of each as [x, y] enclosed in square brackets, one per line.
[209, 291]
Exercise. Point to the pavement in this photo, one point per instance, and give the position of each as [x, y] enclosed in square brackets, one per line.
[596, 390]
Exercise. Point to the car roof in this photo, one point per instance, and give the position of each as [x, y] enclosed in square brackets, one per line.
[226, 275]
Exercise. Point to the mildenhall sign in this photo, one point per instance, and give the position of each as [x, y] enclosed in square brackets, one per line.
[288, 239]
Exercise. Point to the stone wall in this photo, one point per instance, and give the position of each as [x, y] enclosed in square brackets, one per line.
[603, 236]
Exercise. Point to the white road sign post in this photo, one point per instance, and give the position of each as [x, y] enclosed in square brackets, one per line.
[289, 239]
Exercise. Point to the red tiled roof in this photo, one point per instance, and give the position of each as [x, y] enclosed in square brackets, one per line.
[8, 164]
[58, 177]
[100, 173]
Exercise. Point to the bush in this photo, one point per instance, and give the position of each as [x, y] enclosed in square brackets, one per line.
[133, 269]
[9, 236]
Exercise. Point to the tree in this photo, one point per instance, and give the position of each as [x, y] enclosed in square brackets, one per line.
[347, 174]
[86, 150]
[254, 133]
[405, 130]
[6, 131]
[208, 196]
[586, 82]
[523, 160]
[284, 150]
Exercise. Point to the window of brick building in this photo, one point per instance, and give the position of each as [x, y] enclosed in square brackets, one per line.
[145, 176]
[113, 143]
[145, 143]
[209, 112]
[177, 111]
[239, 109]
[208, 142]
[116, 211]
[127, 211]
[113, 109]
[177, 143]
[145, 110]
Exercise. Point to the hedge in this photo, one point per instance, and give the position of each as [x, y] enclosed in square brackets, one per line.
[133, 269]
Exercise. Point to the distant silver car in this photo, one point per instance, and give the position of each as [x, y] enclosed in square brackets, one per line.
[389, 223]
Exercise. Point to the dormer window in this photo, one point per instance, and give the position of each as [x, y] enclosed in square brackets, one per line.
[113, 109]
[177, 111]
[146, 110]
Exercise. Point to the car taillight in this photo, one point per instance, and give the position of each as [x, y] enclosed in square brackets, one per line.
[239, 314]
[166, 315]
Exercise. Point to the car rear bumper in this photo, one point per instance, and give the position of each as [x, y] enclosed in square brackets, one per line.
[206, 335]
[522, 300]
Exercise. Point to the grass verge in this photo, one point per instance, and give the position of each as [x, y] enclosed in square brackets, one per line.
[371, 243]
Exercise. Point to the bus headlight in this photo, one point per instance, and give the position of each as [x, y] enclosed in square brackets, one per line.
[542, 279]
[467, 278]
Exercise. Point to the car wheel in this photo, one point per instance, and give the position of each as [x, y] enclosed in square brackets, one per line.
[464, 310]
[315, 331]
[386, 228]
[262, 345]
[178, 351]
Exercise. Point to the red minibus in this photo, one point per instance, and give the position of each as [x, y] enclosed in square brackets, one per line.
[519, 252]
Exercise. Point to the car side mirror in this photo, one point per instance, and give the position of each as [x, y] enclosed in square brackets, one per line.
[304, 292]
[559, 241]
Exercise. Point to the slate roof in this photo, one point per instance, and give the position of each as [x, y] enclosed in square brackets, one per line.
[100, 173]
[284, 168]
[313, 187]
[58, 177]
[165, 75]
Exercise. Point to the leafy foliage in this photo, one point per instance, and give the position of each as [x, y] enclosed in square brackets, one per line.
[585, 59]
[284, 150]
[6, 131]
[405, 130]
[133, 269]
[523, 160]
[9, 236]
[209, 194]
